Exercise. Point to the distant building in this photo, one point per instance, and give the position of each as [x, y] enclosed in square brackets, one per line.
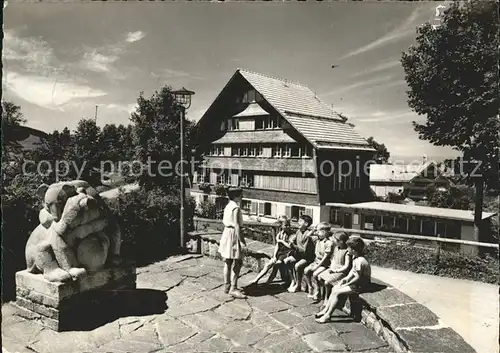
[284, 146]
[412, 180]
[411, 219]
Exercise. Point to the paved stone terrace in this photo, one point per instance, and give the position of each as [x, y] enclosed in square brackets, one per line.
[201, 318]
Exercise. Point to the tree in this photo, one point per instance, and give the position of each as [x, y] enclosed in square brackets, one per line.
[12, 115]
[452, 73]
[458, 197]
[157, 142]
[382, 154]
[88, 149]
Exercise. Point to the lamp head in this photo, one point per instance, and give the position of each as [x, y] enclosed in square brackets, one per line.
[183, 97]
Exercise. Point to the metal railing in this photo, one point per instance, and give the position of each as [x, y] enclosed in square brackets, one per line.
[274, 227]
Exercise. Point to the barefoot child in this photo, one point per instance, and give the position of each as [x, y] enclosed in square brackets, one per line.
[282, 252]
[339, 266]
[303, 253]
[323, 253]
[357, 281]
[231, 243]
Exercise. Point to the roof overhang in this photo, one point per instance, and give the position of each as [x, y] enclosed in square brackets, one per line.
[253, 109]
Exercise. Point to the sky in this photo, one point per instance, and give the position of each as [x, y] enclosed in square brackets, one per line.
[62, 59]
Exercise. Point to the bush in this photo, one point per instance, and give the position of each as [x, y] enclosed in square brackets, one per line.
[419, 260]
[150, 224]
[207, 209]
[20, 208]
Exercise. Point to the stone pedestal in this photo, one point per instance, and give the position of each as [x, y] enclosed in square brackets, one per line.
[60, 306]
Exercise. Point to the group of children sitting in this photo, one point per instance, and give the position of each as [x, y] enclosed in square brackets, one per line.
[333, 264]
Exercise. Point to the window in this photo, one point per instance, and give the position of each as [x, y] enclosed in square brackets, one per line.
[274, 122]
[294, 151]
[221, 178]
[414, 227]
[369, 222]
[335, 216]
[306, 151]
[277, 151]
[244, 151]
[252, 151]
[402, 224]
[355, 219]
[428, 227]
[246, 179]
[249, 96]
[233, 124]
[296, 212]
[246, 206]
[286, 151]
[235, 151]
[260, 150]
[267, 209]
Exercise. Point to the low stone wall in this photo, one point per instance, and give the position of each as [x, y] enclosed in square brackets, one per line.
[56, 305]
[404, 324]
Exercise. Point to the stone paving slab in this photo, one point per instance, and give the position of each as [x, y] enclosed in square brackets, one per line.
[201, 318]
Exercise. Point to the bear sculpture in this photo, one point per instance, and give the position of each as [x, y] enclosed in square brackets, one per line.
[77, 233]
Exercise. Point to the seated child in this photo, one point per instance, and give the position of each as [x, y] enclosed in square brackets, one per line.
[303, 252]
[323, 253]
[282, 251]
[357, 281]
[339, 266]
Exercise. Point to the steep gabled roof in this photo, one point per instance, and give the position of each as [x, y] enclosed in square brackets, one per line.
[315, 120]
[289, 96]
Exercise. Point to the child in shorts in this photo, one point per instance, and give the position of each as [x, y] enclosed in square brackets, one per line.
[303, 252]
[357, 281]
[339, 266]
[323, 252]
[282, 252]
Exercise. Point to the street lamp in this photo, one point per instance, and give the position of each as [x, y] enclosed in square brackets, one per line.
[183, 97]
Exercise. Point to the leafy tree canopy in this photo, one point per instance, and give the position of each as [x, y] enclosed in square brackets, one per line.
[382, 154]
[157, 139]
[452, 72]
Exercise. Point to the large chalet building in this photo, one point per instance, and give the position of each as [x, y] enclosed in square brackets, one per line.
[284, 146]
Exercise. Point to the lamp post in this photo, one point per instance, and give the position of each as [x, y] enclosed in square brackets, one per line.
[183, 97]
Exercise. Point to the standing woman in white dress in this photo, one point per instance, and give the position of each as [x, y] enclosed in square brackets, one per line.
[231, 243]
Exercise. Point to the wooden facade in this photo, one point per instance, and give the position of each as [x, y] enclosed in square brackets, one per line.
[248, 142]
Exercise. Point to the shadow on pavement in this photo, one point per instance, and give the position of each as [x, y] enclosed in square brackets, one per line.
[260, 290]
[96, 311]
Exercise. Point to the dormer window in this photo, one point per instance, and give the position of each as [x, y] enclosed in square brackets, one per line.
[251, 96]
[232, 124]
[268, 122]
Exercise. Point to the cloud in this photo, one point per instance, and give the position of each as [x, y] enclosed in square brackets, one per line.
[30, 54]
[408, 27]
[127, 108]
[381, 67]
[402, 116]
[135, 36]
[47, 92]
[34, 73]
[98, 62]
[377, 81]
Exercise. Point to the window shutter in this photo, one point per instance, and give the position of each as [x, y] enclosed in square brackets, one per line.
[274, 210]
[253, 207]
[261, 208]
[235, 179]
[288, 211]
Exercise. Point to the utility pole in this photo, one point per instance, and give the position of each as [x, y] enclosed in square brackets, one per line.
[95, 117]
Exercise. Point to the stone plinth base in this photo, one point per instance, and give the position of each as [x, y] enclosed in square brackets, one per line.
[60, 306]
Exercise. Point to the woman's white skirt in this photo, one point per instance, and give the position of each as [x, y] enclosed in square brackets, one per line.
[230, 247]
